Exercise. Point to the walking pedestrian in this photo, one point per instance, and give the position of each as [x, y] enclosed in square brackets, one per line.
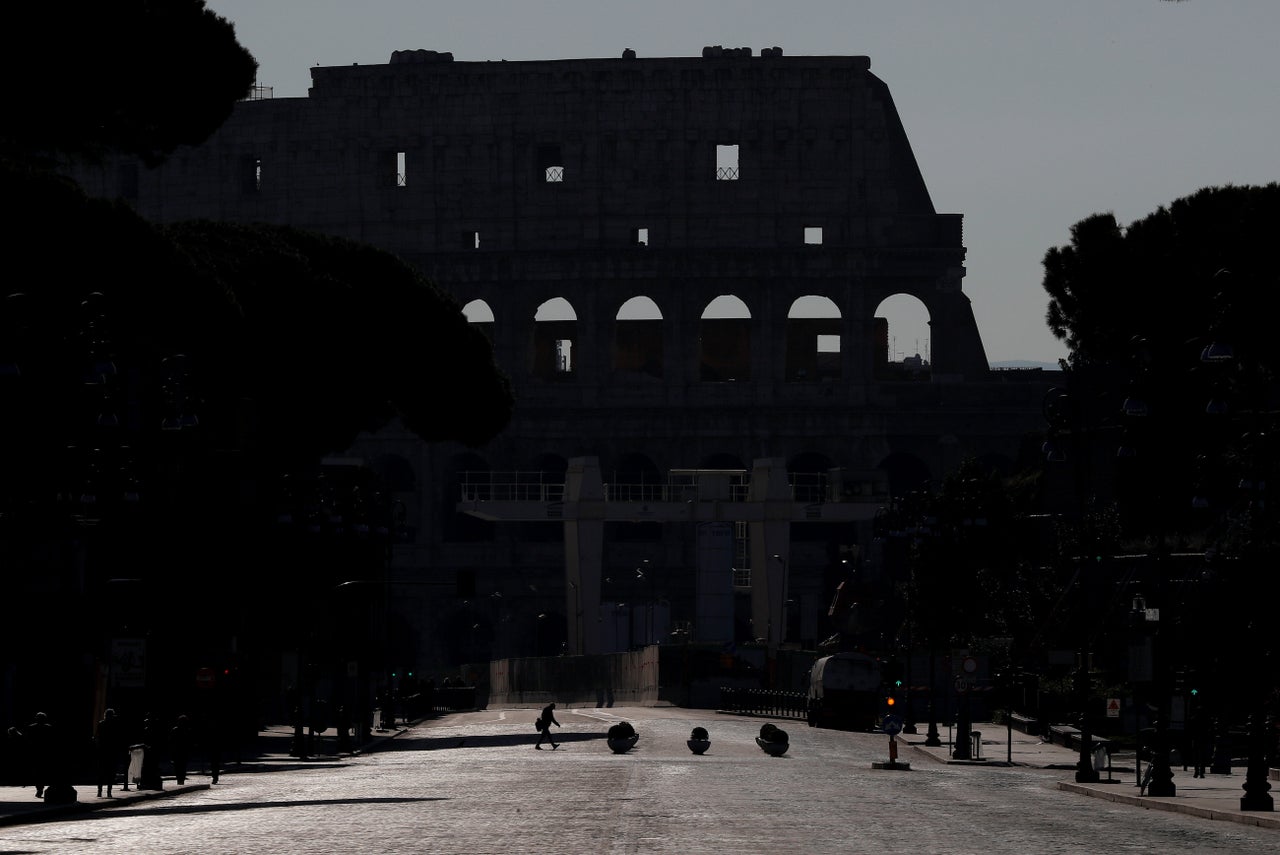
[152, 738]
[1201, 743]
[180, 748]
[213, 746]
[545, 721]
[40, 750]
[344, 730]
[108, 747]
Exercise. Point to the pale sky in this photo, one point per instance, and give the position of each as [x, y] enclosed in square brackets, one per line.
[1025, 115]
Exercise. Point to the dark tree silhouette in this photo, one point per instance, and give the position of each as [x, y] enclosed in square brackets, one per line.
[84, 77]
[291, 343]
[1172, 382]
[1156, 278]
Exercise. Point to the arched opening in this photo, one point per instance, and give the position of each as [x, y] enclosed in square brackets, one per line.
[479, 313]
[724, 340]
[905, 472]
[722, 461]
[902, 340]
[813, 340]
[637, 342]
[394, 472]
[555, 330]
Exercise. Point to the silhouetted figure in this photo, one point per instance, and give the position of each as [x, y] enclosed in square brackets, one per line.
[1201, 743]
[15, 760]
[152, 739]
[212, 739]
[40, 752]
[545, 721]
[109, 747]
[344, 730]
[180, 738]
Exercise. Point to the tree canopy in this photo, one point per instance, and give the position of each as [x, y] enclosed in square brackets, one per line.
[292, 343]
[1157, 278]
[135, 76]
[1173, 354]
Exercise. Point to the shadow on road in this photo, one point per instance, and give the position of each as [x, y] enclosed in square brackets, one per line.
[169, 809]
[487, 740]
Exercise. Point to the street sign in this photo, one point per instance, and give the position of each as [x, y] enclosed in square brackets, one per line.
[128, 663]
[970, 665]
[892, 725]
[1113, 707]
[204, 678]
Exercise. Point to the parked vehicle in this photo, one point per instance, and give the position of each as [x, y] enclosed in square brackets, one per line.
[844, 692]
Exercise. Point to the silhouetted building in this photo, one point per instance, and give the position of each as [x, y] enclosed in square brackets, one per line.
[679, 262]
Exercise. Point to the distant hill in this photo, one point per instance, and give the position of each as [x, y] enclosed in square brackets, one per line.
[1026, 363]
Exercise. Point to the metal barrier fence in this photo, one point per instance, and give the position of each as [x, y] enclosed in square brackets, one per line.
[439, 699]
[764, 702]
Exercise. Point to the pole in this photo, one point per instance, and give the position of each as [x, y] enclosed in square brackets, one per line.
[932, 739]
[1008, 726]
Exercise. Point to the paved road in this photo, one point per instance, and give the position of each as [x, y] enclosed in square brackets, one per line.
[473, 784]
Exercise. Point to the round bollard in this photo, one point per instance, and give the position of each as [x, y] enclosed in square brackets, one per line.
[622, 737]
[772, 740]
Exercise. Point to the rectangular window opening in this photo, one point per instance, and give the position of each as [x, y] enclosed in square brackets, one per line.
[727, 162]
[564, 356]
[813, 235]
[401, 172]
[550, 163]
[640, 237]
[251, 173]
[828, 343]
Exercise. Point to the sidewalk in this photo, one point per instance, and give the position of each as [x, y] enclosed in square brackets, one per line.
[271, 750]
[1213, 797]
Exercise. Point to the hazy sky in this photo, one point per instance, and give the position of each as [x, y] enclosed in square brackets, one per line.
[1025, 115]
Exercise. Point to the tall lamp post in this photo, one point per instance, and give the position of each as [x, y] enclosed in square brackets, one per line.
[1246, 534]
[786, 597]
[1063, 415]
[642, 573]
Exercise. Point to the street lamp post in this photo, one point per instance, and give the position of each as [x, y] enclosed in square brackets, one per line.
[1085, 773]
[786, 584]
[1063, 414]
[932, 737]
[1247, 528]
[642, 573]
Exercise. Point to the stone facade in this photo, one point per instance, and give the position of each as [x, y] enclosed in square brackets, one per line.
[679, 262]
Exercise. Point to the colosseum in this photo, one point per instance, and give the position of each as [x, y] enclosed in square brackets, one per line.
[681, 263]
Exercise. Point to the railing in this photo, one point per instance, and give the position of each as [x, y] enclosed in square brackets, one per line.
[260, 93]
[764, 702]
[681, 486]
[726, 173]
[439, 699]
[512, 487]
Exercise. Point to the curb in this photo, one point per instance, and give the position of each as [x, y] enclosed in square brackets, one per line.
[39, 812]
[1260, 819]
